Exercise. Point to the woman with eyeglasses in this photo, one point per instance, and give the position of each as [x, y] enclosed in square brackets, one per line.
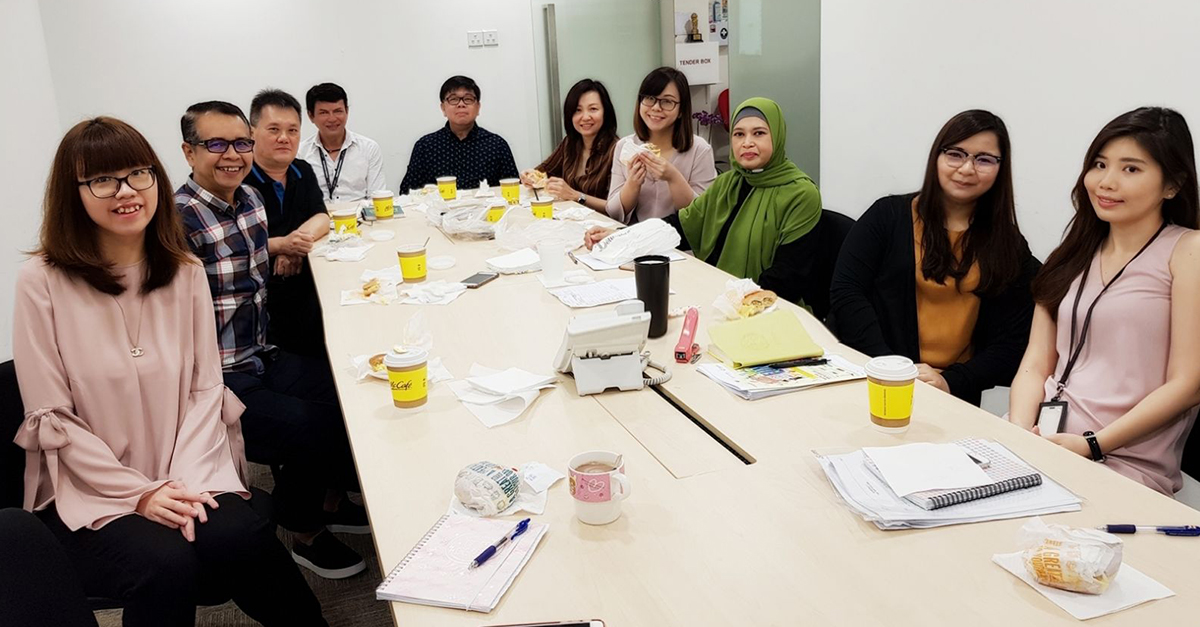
[672, 165]
[580, 167]
[942, 276]
[1115, 343]
[136, 460]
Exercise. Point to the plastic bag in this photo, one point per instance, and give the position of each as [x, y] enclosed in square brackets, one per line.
[467, 221]
[1079, 560]
[644, 238]
[519, 229]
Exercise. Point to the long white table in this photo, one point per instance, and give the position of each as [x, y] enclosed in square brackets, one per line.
[707, 537]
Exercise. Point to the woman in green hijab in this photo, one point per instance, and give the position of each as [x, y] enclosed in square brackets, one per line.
[753, 220]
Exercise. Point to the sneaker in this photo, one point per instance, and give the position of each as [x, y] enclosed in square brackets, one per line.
[328, 557]
[349, 518]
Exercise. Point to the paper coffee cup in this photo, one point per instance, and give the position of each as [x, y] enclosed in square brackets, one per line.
[384, 207]
[496, 210]
[542, 208]
[408, 376]
[412, 262]
[345, 218]
[890, 382]
[597, 485]
[510, 189]
[448, 187]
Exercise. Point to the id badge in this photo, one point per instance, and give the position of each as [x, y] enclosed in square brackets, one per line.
[1052, 417]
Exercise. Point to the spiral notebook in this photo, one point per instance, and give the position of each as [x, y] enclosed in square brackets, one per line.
[436, 571]
[1006, 474]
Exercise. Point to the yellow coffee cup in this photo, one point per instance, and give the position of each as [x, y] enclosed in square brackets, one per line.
[890, 381]
[384, 207]
[412, 262]
[448, 187]
[408, 375]
[510, 189]
[496, 210]
[345, 219]
[542, 208]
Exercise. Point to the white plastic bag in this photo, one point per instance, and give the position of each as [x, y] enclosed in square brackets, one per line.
[519, 229]
[644, 238]
[467, 222]
[1079, 560]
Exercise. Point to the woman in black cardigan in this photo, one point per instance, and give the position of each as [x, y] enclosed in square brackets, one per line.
[964, 316]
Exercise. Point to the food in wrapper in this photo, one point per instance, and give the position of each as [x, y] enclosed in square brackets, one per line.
[376, 362]
[757, 302]
[654, 150]
[1079, 560]
[743, 298]
[537, 179]
[487, 488]
[370, 287]
[631, 150]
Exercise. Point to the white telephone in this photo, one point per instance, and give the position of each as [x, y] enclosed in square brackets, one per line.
[604, 350]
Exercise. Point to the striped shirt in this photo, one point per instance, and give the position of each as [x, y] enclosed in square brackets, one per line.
[232, 243]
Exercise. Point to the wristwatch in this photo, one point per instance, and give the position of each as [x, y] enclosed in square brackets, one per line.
[582, 197]
[1094, 445]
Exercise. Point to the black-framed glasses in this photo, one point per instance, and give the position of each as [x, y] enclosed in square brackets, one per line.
[220, 146]
[108, 186]
[454, 101]
[956, 157]
[667, 104]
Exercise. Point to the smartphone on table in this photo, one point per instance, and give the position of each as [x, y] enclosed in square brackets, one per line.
[479, 278]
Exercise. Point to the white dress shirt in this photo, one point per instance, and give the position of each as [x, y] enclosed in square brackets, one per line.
[361, 169]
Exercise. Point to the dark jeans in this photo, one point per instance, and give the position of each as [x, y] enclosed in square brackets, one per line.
[293, 423]
[158, 575]
[38, 586]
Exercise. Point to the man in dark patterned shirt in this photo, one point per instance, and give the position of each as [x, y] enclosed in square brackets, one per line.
[461, 148]
[292, 420]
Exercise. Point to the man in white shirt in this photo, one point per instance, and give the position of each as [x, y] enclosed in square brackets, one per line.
[348, 165]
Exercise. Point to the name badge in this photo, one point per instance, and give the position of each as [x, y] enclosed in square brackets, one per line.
[1052, 417]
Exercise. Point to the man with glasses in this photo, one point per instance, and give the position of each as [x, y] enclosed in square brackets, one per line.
[292, 421]
[461, 148]
[350, 166]
[296, 218]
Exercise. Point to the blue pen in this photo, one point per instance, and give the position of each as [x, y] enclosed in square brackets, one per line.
[491, 550]
[1189, 530]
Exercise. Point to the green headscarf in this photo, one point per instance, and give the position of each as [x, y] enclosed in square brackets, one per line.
[783, 206]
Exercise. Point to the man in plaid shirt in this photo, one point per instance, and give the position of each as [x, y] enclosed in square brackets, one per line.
[292, 421]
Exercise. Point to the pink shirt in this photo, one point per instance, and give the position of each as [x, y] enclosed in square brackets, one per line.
[1125, 359]
[654, 200]
[103, 428]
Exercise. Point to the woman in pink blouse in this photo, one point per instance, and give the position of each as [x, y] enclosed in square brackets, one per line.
[134, 450]
[655, 186]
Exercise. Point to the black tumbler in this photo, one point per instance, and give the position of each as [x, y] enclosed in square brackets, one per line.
[653, 276]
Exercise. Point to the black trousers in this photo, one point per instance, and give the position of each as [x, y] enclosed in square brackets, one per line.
[293, 423]
[294, 311]
[38, 586]
[159, 576]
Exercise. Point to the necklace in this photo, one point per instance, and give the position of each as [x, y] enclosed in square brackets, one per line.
[134, 348]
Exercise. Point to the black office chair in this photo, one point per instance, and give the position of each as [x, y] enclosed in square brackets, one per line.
[1191, 454]
[831, 231]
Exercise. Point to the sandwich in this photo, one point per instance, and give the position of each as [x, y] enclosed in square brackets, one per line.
[757, 302]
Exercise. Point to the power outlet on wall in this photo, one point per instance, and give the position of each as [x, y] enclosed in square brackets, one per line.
[474, 39]
[491, 38]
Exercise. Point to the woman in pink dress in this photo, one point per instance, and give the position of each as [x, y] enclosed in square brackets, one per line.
[1115, 339]
[134, 450]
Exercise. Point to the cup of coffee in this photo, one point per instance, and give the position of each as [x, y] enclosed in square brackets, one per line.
[542, 208]
[496, 209]
[384, 207]
[550, 253]
[652, 275]
[412, 262]
[510, 190]
[597, 485]
[408, 374]
[345, 217]
[890, 381]
[448, 187]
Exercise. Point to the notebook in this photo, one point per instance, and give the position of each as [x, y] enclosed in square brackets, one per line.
[1007, 474]
[436, 571]
[763, 339]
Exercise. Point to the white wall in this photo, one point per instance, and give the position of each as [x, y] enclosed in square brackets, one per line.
[30, 136]
[893, 72]
[145, 61]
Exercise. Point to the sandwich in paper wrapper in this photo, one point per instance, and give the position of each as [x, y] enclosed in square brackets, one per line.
[487, 488]
[630, 150]
[1079, 560]
[743, 298]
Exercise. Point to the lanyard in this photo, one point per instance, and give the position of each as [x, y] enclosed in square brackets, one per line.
[1074, 350]
[337, 173]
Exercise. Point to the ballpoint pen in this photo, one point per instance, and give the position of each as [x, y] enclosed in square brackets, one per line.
[491, 550]
[1188, 530]
[799, 363]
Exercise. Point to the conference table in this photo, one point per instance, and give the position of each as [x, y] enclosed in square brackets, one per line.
[730, 519]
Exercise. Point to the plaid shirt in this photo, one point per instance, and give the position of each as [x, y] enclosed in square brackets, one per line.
[232, 243]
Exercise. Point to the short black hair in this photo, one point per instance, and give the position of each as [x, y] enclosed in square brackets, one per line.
[455, 83]
[187, 124]
[325, 92]
[271, 97]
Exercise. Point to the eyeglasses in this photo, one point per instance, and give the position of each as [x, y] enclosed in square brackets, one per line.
[220, 146]
[455, 100]
[108, 186]
[667, 104]
[984, 162]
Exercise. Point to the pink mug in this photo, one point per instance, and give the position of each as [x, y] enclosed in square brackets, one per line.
[598, 486]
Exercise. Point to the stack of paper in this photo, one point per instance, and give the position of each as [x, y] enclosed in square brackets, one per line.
[497, 397]
[763, 381]
[870, 496]
[519, 262]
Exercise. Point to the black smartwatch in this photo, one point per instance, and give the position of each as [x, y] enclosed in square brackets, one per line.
[582, 198]
[1094, 445]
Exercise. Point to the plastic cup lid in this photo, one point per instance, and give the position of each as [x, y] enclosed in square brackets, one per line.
[410, 248]
[446, 179]
[509, 181]
[410, 357]
[891, 368]
[381, 193]
[441, 262]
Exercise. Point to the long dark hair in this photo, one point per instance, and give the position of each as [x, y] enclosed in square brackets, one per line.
[1159, 131]
[69, 237]
[993, 239]
[654, 84]
[564, 161]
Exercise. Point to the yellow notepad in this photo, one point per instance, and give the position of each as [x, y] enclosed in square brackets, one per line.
[763, 339]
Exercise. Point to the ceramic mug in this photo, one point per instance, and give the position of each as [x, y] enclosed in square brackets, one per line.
[597, 486]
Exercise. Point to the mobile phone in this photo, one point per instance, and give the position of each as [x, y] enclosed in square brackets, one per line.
[479, 278]
[595, 622]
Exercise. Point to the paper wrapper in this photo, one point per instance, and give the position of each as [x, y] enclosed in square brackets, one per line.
[729, 303]
[1079, 560]
[487, 488]
[629, 151]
